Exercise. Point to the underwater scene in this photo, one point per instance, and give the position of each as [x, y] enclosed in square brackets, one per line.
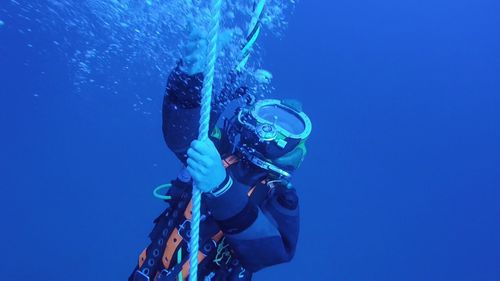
[237, 140]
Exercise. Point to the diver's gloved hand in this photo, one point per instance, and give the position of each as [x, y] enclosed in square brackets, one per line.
[205, 165]
[194, 51]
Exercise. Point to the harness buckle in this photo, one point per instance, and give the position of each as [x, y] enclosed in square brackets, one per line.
[140, 276]
[165, 275]
[184, 230]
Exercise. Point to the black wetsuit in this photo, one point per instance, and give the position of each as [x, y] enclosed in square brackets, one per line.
[260, 230]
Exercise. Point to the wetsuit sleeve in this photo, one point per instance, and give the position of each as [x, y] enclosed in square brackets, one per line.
[181, 111]
[260, 236]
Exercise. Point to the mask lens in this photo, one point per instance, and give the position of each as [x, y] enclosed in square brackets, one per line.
[283, 118]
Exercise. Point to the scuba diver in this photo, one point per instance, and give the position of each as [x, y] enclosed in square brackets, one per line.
[250, 210]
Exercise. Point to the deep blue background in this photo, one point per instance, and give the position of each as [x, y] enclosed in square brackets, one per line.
[402, 181]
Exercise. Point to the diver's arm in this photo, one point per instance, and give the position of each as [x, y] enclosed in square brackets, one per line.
[181, 103]
[181, 110]
[181, 113]
[260, 236]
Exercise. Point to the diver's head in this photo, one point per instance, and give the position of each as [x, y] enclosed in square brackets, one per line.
[271, 134]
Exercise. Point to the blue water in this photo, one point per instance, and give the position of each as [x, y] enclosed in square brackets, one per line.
[402, 181]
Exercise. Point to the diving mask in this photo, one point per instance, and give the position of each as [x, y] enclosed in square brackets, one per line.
[267, 130]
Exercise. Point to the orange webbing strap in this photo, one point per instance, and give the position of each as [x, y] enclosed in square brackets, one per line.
[188, 213]
[142, 257]
[185, 268]
[230, 160]
[173, 242]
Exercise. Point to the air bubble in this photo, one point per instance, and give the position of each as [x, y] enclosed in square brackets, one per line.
[129, 42]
